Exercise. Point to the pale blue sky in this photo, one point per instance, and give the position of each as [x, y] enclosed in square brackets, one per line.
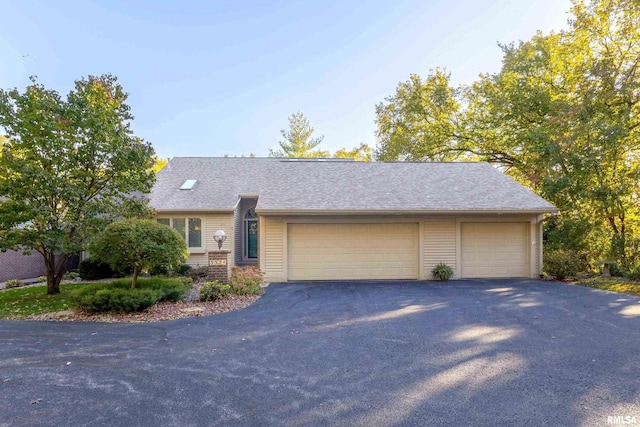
[208, 78]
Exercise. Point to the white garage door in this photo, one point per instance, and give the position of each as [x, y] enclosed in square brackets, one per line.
[352, 251]
[494, 249]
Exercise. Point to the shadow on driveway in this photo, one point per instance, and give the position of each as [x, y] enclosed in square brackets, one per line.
[353, 353]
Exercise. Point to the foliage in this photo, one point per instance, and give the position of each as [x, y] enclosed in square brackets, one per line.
[634, 274]
[198, 272]
[213, 291]
[70, 275]
[246, 280]
[612, 284]
[118, 296]
[298, 140]
[442, 272]
[187, 281]
[13, 283]
[68, 168]
[20, 302]
[183, 269]
[616, 271]
[563, 264]
[362, 153]
[92, 268]
[158, 164]
[158, 270]
[562, 116]
[41, 279]
[140, 244]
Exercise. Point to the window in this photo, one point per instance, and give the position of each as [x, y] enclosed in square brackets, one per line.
[192, 234]
[251, 234]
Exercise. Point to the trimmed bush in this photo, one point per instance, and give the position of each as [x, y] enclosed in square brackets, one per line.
[616, 271]
[246, 281]
[70, 275]
[183, 269]
[159, 270]
[42, 279]
[442, 272]
[213, 291]
[563, 264]
[118, 296]
[187, 281]
[13, 283]
[94, 269]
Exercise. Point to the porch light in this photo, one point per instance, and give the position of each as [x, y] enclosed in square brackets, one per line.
[220, 236]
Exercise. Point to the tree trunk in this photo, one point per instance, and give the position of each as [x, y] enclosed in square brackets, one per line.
[135, 276]
[56, 267]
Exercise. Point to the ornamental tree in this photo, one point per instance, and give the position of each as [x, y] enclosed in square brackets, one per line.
[69, 167]
[139, 244]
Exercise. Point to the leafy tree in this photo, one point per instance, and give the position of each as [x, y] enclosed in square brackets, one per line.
[363, 153]
[69, 167]
[298, 140]
[159, 163]
[139, 244]
[562, 116]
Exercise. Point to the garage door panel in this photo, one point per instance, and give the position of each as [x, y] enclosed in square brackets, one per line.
[494, 250]
[353, 251]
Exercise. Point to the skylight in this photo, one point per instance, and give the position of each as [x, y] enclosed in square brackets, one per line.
[188, 184]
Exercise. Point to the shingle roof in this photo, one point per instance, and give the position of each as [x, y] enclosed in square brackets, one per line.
[312, 185]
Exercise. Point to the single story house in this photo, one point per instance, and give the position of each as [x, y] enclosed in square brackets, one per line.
[326, 219]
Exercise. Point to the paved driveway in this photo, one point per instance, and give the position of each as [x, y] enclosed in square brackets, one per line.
[374, 354]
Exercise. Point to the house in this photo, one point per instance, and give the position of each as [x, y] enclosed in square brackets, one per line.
[16, 265]
[321, 219]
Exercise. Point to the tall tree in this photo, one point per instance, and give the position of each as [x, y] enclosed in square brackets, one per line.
[362, 153]
[69, 167]
[298, 141]
[562, 116]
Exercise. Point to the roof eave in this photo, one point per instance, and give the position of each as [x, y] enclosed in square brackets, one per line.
[267, 211]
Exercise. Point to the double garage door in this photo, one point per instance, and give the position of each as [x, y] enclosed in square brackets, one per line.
[391, 251]
[353, 251]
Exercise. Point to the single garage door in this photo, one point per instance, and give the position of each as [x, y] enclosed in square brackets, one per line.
[494, 250]
[352, 251]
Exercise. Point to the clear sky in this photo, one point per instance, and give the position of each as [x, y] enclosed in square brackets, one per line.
[208, 78]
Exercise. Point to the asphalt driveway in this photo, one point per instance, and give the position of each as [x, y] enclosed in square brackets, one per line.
[373, 354]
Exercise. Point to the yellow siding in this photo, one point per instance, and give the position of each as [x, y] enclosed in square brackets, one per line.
[197, 260]
[274, 249]
[439, 244]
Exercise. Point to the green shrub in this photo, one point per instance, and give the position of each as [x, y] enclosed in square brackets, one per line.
[634, 274]
[186, 281]
[183, 269]
[198, 273]
[246, 281]
[563, 264]
[70, 275]
[616, 271]
[213, 291]
[159, 270]
[42, 279]
[94, 269]
[118, 296]
[13, 283]
[442, 272]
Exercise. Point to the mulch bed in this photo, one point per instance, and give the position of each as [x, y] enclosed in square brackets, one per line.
[158, 312]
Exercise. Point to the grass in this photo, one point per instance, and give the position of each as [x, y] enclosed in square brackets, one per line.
[20, 302]
[613, 284]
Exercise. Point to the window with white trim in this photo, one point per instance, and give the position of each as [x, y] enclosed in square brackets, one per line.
[189, 228]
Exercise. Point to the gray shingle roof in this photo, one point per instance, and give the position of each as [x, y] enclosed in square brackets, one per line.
[300, 185]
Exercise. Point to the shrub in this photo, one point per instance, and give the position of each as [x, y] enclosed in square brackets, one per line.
[198, 273]
[562, 264]
[159, 270]
[634, 274]
[13, 283]
[41, 279]
[118, 296]
[616, 271]
[213, 291]
[442, 272]
[70, 275]
[186, 281]
[246, 281]
[94, 269]
[183, 269]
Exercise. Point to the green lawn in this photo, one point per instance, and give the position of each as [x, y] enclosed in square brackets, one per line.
[613, 284]
[19, 302]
